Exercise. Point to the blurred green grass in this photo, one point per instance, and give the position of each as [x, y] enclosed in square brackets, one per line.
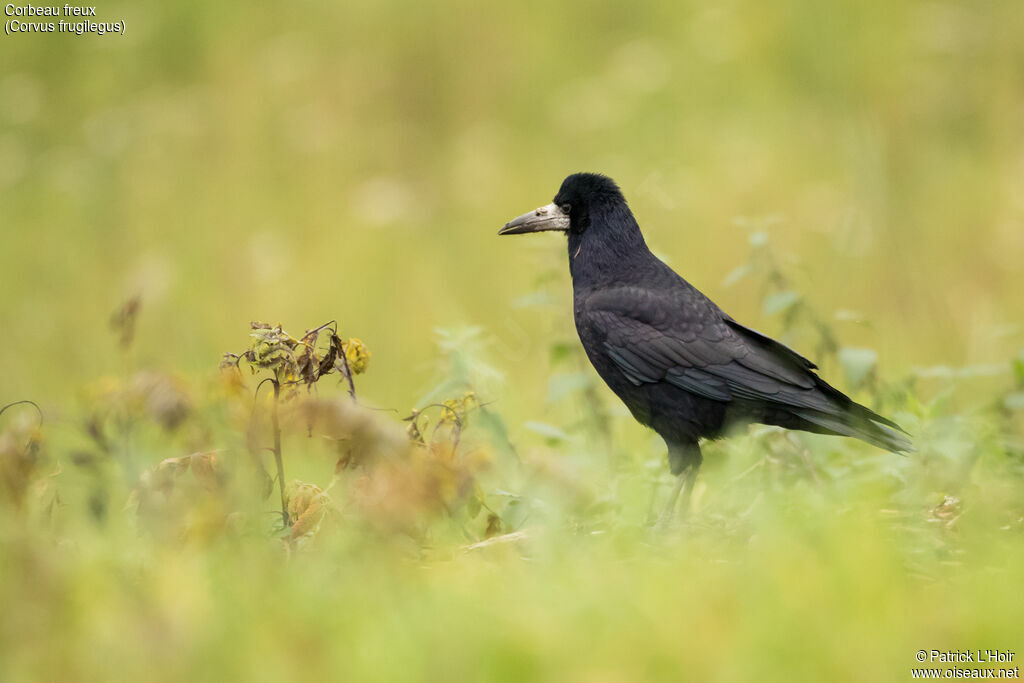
[354, 161]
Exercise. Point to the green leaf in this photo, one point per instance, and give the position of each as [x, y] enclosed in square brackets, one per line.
[561, 385]
[1014, 401]
[560, 351]
[858, 364]
[493, 424]
[473, 503]
[758, 238]
[447, 387]
[847, 315]
[1018, 369]
[546, 430]
[737, 274]
[538, 299]
[778, 302]
[966, 372]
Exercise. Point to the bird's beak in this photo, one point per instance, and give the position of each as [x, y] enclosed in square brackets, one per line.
[550, 217]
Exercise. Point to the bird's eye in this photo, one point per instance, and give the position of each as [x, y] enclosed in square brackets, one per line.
[566, 208]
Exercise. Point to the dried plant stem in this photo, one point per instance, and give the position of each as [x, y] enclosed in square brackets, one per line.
[25, 402]
[348, 373]
[276, 424]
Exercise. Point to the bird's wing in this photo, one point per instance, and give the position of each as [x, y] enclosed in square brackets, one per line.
[682, 338]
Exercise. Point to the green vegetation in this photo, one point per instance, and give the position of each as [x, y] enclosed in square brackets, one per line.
[461, 498]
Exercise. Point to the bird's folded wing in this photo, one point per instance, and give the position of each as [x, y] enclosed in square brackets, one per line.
[685, 340]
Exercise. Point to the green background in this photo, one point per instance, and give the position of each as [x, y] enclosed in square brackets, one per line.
[303, 162]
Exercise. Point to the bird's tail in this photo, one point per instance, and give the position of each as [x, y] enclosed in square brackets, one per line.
[861, 423]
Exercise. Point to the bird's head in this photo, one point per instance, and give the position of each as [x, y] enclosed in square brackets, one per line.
[581, 197]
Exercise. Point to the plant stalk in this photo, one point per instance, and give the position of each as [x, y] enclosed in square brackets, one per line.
[348, 373]
[275, 422]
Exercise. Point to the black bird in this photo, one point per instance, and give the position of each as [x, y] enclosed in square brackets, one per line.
[681, 365]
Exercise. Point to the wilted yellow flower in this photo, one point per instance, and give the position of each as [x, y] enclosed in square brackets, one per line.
[452, 411]
[415, 430]
[307, 504]
[274, 349]
[456, 409]
[357, 355]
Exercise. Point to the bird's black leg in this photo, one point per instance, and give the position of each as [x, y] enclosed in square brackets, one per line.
[684, 459]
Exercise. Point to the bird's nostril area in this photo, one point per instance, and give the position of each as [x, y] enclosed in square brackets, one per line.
[542, 211]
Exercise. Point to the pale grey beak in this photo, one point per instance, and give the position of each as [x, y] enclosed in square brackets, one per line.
[550, 217]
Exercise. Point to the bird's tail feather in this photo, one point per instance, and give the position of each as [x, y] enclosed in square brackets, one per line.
[864, 424]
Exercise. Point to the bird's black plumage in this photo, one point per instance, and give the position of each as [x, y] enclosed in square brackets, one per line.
[680, 364]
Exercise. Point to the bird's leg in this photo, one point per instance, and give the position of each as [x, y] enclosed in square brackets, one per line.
[684, 484]
[685, 460]
[665, 519]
